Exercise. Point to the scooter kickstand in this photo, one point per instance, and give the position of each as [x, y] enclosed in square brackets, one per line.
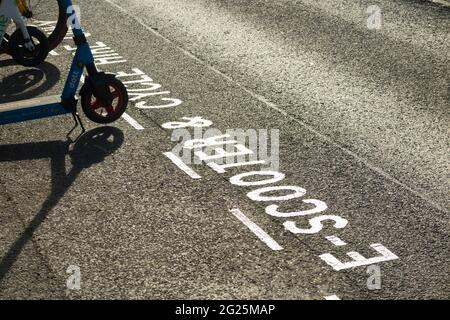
[78, 122]
[77, 116]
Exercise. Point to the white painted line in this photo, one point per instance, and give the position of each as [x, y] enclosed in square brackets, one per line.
[260, 233]
[54, 53]
[180, 164]
[132, 122]
[336, 241]
[333, 297]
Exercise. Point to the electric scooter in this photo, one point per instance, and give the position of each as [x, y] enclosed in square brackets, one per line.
[28, 45]
[103, 97]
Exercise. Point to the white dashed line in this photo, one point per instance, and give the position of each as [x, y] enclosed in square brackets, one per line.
[180, 164]
[260, 233]
[333, 297]
[132, 122]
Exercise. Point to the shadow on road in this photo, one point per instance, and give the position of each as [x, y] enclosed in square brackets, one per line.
[29, 83]
[91, 148]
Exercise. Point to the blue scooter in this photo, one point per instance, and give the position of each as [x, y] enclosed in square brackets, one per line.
[103, 97]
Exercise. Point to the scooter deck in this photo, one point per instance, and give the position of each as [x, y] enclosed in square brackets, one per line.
[31, 109]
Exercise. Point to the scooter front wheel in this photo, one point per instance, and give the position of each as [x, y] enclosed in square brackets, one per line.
[99, 112]
[25, 57]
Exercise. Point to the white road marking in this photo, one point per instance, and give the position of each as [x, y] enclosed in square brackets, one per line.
[132, 122]
[260, 233]
[336, 241]
[180, 164]
[53, 53]
[283, 112]
[236, 212]
[358, 259]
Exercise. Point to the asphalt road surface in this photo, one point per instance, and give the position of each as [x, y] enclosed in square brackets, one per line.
[346, 103]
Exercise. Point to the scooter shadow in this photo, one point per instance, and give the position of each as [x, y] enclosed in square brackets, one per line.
[91, 148]
[28, 83]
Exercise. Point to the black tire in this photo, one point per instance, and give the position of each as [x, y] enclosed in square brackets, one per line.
[57, 35]
[91, 105]
[21, 55]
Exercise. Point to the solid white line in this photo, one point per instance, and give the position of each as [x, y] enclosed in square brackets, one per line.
[132, 122]
[336, 241]
[283, 112]
[180, 164]
[333, 297]
[260, 233]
